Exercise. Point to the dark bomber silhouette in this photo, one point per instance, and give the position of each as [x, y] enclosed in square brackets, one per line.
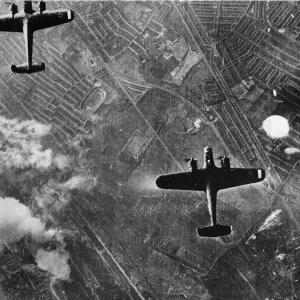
[28, 21]
[210, 179]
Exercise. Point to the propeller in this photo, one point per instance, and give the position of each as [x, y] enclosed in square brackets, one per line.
[225, 161]
[190, 159]
[192, 164]
[13, 7]
[221, 156]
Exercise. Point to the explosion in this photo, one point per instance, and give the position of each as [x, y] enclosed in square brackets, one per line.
[273, 220]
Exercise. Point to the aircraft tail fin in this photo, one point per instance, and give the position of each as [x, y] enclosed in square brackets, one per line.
[24, 68]
[214, 231]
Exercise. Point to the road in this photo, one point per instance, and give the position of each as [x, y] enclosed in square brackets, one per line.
[242, 125]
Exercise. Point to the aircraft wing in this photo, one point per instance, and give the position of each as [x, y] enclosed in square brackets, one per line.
[236, 176]
[183, 181]
[11, 24]
[50, 18]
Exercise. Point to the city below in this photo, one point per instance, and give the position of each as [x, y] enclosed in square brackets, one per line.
[132, 89]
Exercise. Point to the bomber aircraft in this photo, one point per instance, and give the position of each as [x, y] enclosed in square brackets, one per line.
[28, 21]
[210, 179]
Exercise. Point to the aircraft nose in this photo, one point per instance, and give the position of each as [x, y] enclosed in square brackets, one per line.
[161, 181]
[207, 150]
[14, 68]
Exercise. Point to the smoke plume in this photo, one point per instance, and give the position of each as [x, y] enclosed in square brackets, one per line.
[80, 182]
[21, 146]
[16, 222]
[51, 201]
[36, 171]
[274, 219]
[55, 262]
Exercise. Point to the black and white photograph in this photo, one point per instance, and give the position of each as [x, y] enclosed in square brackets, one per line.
[149, 150]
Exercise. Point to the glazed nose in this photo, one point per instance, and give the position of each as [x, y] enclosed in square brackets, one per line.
[207, 150]
[161, 181]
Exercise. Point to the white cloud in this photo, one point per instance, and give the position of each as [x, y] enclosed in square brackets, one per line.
[276, 126]
[291, 150]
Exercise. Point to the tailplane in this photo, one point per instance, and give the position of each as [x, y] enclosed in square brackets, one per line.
[24, 68]
[214, 231]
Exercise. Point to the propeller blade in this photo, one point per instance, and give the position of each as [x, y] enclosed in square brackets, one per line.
[189, 159]
[222, 156]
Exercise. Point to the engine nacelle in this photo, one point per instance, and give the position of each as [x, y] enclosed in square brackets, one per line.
[193, 167]
[225, 162]
[27, 6]
[13, 8]
[42, 6]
